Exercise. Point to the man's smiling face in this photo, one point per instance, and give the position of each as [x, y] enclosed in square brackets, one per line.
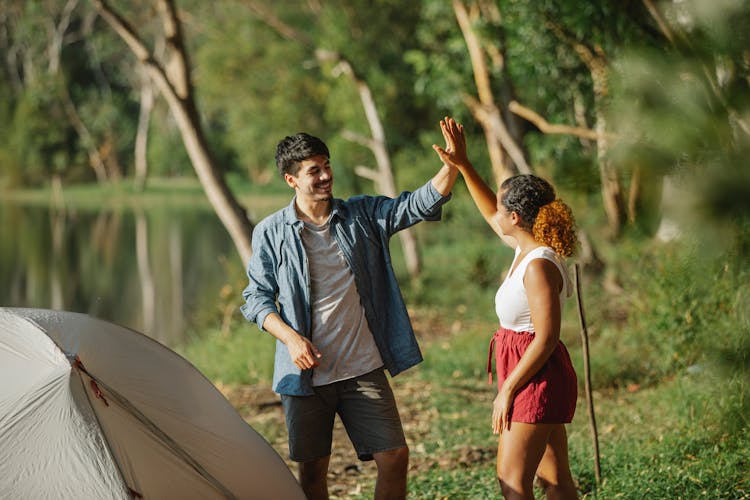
[314, 179]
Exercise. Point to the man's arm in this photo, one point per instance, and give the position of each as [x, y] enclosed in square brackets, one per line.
[304, 354]
[260, 301]
[444, 180]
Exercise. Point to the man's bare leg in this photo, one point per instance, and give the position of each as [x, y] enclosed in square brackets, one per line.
[392, 468]
[313, 477]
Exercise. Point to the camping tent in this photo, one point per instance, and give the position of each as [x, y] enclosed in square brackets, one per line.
[92, 410]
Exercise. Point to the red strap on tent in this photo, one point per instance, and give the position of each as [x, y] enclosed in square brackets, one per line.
[97, 391]
[79, 364]
[94, 387]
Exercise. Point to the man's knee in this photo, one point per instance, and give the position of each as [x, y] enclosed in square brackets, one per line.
[393, 460]
[313, 473]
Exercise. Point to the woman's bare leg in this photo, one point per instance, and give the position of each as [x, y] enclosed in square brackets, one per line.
[554, 469]
[520, 449]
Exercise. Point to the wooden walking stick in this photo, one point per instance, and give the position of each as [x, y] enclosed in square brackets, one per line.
[587, 376]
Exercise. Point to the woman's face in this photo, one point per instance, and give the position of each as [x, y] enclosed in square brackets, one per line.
[504, 216]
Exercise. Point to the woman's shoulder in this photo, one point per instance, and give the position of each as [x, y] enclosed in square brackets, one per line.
[544, 252]
[548, 254]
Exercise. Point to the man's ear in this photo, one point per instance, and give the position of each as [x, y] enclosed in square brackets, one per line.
[290, 180]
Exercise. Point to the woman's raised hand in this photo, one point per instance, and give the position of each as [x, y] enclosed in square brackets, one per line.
[454, 154]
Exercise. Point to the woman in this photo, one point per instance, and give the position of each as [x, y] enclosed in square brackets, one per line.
[537, 386]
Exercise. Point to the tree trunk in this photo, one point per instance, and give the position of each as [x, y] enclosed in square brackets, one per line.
[384, 181]
[57, 33]
[612, 194]
[383, 177]
[141, 136]
[173, 81]
[87, 140]
[500, 142]
[596, 62]
[146, 277]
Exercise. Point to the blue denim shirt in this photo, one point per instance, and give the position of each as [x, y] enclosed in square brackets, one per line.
[279, 280]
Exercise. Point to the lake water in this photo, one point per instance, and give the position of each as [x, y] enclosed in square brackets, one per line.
[154, 270]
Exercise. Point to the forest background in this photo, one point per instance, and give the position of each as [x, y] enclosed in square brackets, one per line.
[638, 111]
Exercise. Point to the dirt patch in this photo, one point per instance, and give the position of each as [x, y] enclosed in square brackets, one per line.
[347, 475]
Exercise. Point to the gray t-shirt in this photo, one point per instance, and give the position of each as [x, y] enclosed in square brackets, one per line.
[339, 327]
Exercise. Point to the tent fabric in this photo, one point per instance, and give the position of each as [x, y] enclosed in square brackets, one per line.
[89, 409]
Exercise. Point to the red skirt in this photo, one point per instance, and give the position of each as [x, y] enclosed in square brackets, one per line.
[550, 396]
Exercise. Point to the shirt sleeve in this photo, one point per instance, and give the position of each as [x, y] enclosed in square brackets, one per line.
[408, 208]
[262, 289]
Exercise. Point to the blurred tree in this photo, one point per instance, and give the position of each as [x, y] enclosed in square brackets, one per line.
[337, 64]
[44, 47]
[684, 111]
[555, 57]
[504, 142]
[173, 76]
[596, 33]
[254, 87]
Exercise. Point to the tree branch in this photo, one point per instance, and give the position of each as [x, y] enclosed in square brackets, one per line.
[481, 73]
[177, 62]
[123, 28]
[548, 128]
[358, 138]
[261, 10]
[368, 173]
[659, 20]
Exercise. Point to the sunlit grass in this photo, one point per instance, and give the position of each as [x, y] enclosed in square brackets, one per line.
[243, 355]
[669, 357]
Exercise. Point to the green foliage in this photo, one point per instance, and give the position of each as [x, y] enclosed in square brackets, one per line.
[680, 305]
[167, 156]
[669, 358]
[37, 146]
[267, 87]
[683, 112]
[227, 359]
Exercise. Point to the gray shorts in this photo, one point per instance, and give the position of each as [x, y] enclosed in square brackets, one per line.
[366, 407]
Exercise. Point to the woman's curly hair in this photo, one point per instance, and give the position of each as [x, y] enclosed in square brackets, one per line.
[548, 219]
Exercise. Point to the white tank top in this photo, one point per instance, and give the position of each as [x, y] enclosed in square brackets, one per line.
[511, 302]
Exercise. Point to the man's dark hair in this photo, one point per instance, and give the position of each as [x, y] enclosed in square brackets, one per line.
[293, 149]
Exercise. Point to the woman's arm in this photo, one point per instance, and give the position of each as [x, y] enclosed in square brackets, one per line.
[483, 196]
[543, 283]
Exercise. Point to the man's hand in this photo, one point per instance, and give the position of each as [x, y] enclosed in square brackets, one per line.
[303, 352]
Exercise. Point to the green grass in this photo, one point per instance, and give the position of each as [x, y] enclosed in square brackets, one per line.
[244, 355]
[670, 367]
[670, 354]
[159, 192]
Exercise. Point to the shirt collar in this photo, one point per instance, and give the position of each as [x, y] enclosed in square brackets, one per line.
[290, 213]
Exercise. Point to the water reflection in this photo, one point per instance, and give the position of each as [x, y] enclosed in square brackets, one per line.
[151, 270]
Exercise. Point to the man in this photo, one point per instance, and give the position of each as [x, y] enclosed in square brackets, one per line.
[321, 282]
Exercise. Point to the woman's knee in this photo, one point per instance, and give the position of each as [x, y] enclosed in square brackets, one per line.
[514, 482]
[558, 487]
